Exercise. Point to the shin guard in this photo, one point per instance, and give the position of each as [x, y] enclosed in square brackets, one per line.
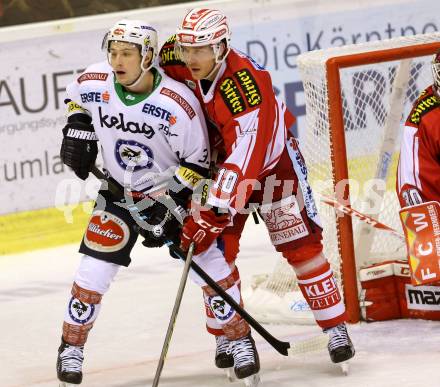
[226, 317]
[81, 313]
[320, 290]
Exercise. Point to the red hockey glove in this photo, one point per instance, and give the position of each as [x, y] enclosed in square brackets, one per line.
[202, 231]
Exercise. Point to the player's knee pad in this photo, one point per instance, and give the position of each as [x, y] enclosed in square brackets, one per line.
[303, 252]
[81, 313]
[310, 265]
[212, 326]
[232, 324]
[95, 274]
[213, 262]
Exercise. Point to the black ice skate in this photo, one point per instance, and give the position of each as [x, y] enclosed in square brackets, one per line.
[246, 361]
[69, 364]
[340, 347]
[223, 358]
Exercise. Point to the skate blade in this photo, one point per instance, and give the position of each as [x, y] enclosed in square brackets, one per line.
[65, 384]
[252, 381]
[345, 367]
[230, 374]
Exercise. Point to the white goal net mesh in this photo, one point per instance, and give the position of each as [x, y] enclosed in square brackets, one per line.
[376, 99]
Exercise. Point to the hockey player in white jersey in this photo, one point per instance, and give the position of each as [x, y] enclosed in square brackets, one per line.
[153, 137]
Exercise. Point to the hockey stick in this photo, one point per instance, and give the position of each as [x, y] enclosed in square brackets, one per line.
[283, 347]
[173, 317]
[365, 218]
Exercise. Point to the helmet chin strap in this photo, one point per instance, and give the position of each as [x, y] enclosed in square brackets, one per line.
[213, 71]
[137, 80]
[218, 61]
[142, 73]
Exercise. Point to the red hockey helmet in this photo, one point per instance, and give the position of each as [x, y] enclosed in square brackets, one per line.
[202, 27]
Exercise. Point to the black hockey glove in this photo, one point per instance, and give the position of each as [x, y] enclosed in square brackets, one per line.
[79, 148]
[161, 221]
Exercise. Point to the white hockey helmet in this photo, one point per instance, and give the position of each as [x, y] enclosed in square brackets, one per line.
[202, 27]
[435, 65]
[136, 32]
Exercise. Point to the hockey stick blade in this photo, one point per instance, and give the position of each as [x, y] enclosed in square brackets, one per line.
[365, 218]
[281, 346]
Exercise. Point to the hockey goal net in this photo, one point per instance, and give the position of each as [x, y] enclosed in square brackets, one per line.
[357, 98]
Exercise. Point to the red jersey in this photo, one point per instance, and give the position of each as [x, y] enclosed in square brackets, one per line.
[418, 172]
[250, 121]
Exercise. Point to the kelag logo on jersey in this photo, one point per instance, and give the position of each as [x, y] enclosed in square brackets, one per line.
[129, 126]
[156, 111]
[133, 155]
[232, 97]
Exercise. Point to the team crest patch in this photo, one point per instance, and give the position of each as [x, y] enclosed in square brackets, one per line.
[284, 221]
[221, 309]
[133, 155]
[106, 232]
[80, 312]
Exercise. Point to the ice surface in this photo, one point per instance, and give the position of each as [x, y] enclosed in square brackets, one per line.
[125, 344]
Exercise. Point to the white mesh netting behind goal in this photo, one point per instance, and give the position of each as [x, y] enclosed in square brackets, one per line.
[375, 100]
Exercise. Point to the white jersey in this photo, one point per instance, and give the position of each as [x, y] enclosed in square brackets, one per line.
[143, 138]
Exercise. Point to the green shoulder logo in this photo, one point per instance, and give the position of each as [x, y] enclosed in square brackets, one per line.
[424, 105]
[249, 87]
[232, 97]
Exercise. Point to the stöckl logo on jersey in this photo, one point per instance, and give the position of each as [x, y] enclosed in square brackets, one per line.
[425, 105]
[129, 126]
[232, 97]
[249, 87]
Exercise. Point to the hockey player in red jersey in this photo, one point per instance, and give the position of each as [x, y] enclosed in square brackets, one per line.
[259, 166]
[418, 173]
